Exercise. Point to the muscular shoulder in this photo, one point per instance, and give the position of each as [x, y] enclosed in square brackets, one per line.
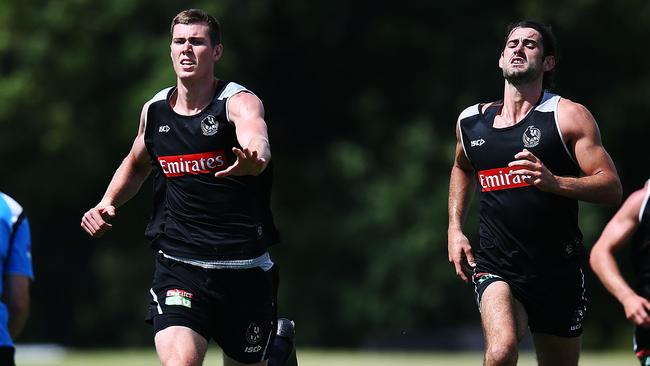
[244, 105]
[569, 108]
[574, 119]
[245, 97]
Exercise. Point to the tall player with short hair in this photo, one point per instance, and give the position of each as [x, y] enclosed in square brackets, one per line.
[206, 142]
[534, 155]
[631, 224]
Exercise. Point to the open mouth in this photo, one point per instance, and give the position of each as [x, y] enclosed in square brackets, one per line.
[517, 61]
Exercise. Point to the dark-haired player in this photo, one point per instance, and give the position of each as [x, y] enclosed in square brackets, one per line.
[533, 155]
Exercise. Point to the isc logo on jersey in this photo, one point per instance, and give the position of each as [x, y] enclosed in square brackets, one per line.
[478, 142]
[201, 163]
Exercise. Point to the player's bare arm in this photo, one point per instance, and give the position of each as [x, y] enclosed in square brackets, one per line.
[247, 113]
[599, 182]
[616, 234]
[126, 182]
[461, 188]
[16, 297]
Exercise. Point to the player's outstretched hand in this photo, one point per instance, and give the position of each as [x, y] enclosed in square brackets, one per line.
[248, 163]
[95, 220]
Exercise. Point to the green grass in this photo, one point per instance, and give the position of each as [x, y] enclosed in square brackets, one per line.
[320, 358]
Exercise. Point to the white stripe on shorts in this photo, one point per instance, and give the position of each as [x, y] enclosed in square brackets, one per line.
[155, 298]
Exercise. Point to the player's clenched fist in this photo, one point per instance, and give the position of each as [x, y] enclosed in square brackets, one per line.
[95, 220]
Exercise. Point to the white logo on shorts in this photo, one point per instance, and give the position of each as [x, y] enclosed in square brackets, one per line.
[253, 349]
[253, 333]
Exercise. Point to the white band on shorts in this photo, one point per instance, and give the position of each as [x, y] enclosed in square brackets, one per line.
[263, 261]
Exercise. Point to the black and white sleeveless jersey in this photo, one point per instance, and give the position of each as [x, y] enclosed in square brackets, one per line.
[641, 242]
[195, 214]
[523, 230]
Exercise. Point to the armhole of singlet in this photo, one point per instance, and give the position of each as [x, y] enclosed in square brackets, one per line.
[146, 114]
[559, 130]
[161, 95]
[230, 90]
[462, 142]
[645, 200]
[467, 112]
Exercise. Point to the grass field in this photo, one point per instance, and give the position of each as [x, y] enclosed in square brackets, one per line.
[310, 358]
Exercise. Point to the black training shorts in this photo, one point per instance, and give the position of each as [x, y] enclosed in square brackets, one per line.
[555, 302]
[236, 308]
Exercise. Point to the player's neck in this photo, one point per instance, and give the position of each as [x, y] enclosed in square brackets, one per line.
[518, 101]
[192, 96]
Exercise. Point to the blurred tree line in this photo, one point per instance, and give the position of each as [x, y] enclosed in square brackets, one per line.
[361, 99]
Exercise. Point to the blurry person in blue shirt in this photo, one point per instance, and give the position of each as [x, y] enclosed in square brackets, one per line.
[17, 273]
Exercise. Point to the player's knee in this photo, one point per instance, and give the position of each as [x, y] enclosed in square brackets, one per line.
[180, 360]
[175, 356]
[501, 355]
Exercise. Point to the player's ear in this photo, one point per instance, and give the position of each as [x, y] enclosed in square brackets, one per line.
[218, 51]
[501, 61]
[549, 63]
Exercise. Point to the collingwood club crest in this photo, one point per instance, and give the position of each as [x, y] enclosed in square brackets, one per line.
[209, 125]
[531, 136]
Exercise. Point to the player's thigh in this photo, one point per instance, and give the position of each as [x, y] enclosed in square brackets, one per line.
[178, 345]
[245, 328]
[227, 361]
[504, 318]
[557, 351]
